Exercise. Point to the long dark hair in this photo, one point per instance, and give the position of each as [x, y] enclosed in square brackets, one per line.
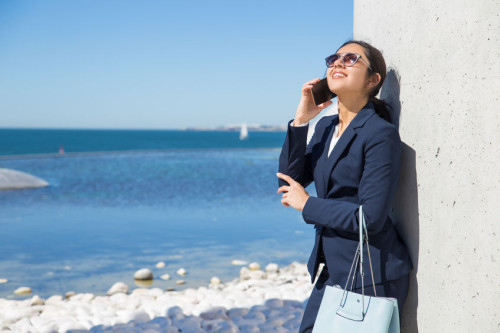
[377, 65]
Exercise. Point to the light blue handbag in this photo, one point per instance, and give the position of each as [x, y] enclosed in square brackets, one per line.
[348, 312]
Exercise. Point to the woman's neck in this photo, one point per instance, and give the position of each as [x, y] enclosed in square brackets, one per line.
[348, 109]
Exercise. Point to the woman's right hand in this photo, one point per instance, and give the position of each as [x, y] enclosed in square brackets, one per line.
[307, 110]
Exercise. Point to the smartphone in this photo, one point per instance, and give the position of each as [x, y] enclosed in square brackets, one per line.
[321, 92]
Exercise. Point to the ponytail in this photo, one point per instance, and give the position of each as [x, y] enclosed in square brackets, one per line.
[381, 108]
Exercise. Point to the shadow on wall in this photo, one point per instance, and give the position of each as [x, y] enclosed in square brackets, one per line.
[405, 205]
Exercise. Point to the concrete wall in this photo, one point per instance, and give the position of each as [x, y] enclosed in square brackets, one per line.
[445, 85]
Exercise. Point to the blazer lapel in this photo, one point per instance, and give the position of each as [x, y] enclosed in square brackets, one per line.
[323, 159]
[345, 139]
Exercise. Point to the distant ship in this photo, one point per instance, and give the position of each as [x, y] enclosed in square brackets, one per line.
[244, 132]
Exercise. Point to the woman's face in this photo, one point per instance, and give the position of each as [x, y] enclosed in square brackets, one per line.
[353, 80]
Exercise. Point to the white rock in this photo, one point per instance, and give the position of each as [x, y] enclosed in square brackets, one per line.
[44, 324]
[118, 287]
[244, 273]
[181, 272]
[13, 314]
[84, 298]
[3, 281]
[22, 325]
[272, 268]
[165, 277]
[161, 264]
[55, 299]
[143, 274]
[69, 294]
[239, 262]
[36, 300]
[254, 266]
[274, 303]
[179, 282]
[155, 292]
[257, 275]
[68, 324]
[175, 312]
[215, 280]
[141, 317]
[22, 291]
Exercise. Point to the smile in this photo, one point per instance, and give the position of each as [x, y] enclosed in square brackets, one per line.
[338, 75]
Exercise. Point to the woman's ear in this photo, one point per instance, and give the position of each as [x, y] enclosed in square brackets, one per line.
[373, 80]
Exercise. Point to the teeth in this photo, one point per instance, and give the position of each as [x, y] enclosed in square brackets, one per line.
[336, 75]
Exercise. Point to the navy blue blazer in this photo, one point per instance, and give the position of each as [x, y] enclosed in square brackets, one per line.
[362, 169]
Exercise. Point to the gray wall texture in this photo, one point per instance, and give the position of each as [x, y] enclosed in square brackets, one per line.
[444, 86]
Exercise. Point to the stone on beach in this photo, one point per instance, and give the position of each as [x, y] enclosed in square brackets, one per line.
[247, 274]
[118, 287]
[165, 277]
[69, 294]
[254, 266]
[36, 300]
[161, 264]
[143, 274]
[179, 282]
[215, 280]
[272, 268]
[3, 281]
[237, 262]
[181, 272]
[22, 291]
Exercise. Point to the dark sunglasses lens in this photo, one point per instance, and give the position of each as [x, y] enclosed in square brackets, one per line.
[331, 59]
[350, 59]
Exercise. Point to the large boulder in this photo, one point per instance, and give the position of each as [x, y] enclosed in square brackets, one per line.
[12, 179]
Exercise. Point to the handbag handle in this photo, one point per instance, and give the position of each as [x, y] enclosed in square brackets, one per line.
[358, 257]
[363, 231]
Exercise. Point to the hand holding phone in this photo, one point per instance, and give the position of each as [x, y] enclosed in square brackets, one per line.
[321, 93]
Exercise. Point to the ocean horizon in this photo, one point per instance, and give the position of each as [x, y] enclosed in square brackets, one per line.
[122, 200]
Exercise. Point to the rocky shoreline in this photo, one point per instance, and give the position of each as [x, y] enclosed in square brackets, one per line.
[270, 300]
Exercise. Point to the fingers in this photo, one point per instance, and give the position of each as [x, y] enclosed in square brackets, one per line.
[286, 178]
[283, 189]
[306, 87]
[283, 201]
[312, 82]
[325, 105]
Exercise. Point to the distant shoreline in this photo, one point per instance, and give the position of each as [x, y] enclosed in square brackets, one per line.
[106, 152]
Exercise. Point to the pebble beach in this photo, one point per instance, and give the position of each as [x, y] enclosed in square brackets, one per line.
[259, 300]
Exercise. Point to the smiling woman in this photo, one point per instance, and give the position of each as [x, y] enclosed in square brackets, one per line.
[353, 158]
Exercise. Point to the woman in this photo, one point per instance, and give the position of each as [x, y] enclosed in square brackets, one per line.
[353, 159]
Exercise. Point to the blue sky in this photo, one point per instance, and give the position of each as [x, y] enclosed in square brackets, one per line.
[161, 64]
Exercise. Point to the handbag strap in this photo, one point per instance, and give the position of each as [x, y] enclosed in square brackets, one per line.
[363, 231]
[358, 257]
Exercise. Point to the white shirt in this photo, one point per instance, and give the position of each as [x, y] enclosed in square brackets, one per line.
[335, 136]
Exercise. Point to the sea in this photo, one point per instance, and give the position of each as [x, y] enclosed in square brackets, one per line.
[123, 200]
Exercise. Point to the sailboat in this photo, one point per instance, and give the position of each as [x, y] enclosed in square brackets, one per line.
[244, 132]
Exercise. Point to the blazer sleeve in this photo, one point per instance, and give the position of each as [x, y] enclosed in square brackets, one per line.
[375, 192]
[294, 159]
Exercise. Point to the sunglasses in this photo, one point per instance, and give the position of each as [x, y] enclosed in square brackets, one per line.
[348, 59]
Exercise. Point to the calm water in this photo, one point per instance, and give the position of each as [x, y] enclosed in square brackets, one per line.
[196, 200]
